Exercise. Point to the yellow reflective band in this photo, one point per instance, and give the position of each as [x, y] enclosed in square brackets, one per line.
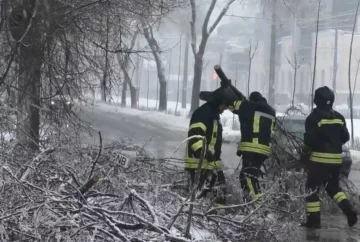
[198, 125]
[330, 121]
[313, 207]
[313, 210]
[256, 148]
[256, 124]
[329, 158]
[217, 165]
[255, 140]
[192, 163]
[327, 155]
[237, 105]
[339, 197]
[214, 136]
[313, 204]
[197, 145]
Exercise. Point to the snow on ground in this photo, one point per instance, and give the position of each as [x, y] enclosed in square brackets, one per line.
[180, 121]
[168, 119]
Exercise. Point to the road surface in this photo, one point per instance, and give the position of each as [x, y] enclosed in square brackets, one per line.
[163, 142]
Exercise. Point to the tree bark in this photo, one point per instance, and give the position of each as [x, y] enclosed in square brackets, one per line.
[29, 97]
[349, 76]
[104, 85]
[123, 93]
[195, 101]
[155, 49]
[315, 56]
[127, 79]
[271, 94]
[25, 30]
[185, 75]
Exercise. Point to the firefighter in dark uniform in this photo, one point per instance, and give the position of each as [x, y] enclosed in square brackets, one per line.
[257, 120]
[325, 133]
[205, 121]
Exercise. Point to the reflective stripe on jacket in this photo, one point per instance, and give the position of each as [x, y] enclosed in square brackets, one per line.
[257, 122]
[205, 121]
[325, 133]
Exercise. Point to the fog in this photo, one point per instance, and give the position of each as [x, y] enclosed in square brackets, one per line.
[248, 25]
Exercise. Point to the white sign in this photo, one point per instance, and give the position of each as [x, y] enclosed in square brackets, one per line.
[121, 159]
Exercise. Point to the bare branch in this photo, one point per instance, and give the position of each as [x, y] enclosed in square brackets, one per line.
[223, 12]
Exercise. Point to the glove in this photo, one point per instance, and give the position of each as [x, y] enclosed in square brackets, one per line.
[239, 153]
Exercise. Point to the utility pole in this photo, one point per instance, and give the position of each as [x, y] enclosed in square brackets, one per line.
[335, 64]
[185, 73]
[271, 94]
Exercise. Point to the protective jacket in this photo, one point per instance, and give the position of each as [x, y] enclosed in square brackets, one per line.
[257, 121]
[205, 121]
[325, 133]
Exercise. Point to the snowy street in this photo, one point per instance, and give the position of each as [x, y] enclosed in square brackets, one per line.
[160, 140]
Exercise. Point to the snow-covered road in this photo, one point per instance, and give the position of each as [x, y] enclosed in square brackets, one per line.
[160, 140]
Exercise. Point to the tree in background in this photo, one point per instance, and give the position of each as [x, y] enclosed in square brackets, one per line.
[199, 51]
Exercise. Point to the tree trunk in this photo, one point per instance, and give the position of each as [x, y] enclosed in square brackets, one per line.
[123, 93]
[185, 75]
[24, 27]
[29, 96]
[195, 101]
[155, 49]
[133, 96]
[104, 87]
[271, 95]
[162, 82]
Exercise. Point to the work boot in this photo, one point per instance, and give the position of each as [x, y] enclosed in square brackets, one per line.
[349, 211]
[313, 221]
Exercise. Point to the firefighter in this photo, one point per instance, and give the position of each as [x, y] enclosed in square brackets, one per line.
[257, 120]
[325, 134]
[205, 121]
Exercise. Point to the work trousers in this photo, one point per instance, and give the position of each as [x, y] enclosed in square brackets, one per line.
[214, 182]
[327, 175]
[250, 172]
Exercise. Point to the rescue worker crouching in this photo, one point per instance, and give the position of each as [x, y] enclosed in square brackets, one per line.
[205, 121]
[257, 120]
[325, 133]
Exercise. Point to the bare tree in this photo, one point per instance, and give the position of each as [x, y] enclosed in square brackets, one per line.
[178, 81]
[104, 85]
[156, 51]
[125, 65]
[200, 51]
[315, 55]
[251, 57]
[349, 75]
[296, 67]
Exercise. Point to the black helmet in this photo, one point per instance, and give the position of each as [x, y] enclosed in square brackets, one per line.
[222, 95]
[324, 97]
[257, 97]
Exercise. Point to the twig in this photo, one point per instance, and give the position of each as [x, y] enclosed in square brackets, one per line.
[193, 194]
[97, 157]
[133, 193]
